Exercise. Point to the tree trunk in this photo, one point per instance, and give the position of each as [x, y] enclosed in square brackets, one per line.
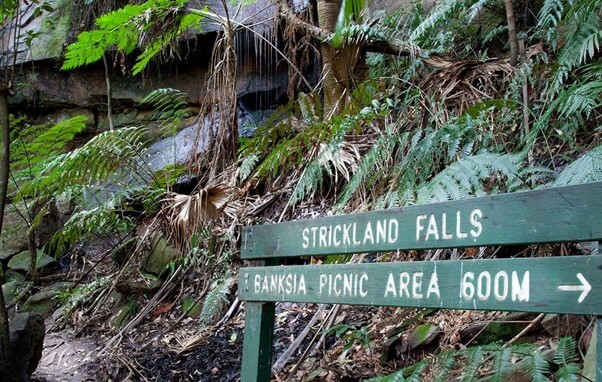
[512, 36]
[328, 12]
[4, 172]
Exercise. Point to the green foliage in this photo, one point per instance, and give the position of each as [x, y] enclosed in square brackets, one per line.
[34, 144]
[247, 165]
[571, 98]
[494, 362]
[92, 163]
[439, 30]
[537, 367]
[101, 221]
[170, 105]
[351, 11]
[467, 176]
[588, 168]
[351, 335]
[152, 26]
[216, 299]
[330, 159]
[566, 357]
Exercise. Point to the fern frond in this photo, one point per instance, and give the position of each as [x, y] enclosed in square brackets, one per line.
[502, 365]
[566, 357]
[247, 165]
[96, 161]
[466, 176]
[550, 13]
[216, 300]
[45, 144]
[97, 222]
[473, 359]
[579, 99]
[152, 25]
[536, 366]
[381, 151]
[588, 168]
[170, 107]
[446, 363]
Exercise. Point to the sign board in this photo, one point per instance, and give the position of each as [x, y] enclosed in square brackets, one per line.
[570, 284]
[550, 215]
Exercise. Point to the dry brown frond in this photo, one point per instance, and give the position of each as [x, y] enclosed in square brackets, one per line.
[461, 84]
[185, 214]
[344, 161]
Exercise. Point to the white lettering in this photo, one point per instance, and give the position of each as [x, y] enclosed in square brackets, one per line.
[363, 291]
[432, 228]
[417, 285]
[466, 287]
[500, 286]
[390, 286]
[393, 222]
[257, 284]
[404, 281]
[323, 232]
[419, 226]
[305, 238]
[336, 241]
[520, 290]
[346, 237]
[474, 221]
[444, 234]
[459, 233]
[484, 286]
[381, 231]
[433, 286]
[368, 236]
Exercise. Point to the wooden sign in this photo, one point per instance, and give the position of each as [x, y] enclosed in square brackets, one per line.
[571, 284]
[551, 215]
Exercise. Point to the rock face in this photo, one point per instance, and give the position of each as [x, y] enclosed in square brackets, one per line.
[14, 232]
[161, 255]
[27, 332]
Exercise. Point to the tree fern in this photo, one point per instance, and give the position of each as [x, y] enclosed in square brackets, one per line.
[152, 25]
[171, 107]
[330, 160]
[28, 152]
[98, 159]
[101, 221]
[550, 13]
[579, 99]
[446, 363]
[247, 165]
[443, 12]
[583, 39]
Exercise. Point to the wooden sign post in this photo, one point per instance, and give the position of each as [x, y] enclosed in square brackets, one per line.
[571, 284]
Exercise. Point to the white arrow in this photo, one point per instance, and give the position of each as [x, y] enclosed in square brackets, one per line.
[584, 288]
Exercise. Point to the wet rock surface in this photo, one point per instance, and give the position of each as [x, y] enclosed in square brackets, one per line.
[26, 340]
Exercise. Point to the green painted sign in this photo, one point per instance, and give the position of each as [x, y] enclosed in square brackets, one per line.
[551, 215]
[570, 284]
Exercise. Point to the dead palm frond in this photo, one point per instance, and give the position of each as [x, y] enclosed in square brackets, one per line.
[186, 214]
[343, 161]
[461, 84]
